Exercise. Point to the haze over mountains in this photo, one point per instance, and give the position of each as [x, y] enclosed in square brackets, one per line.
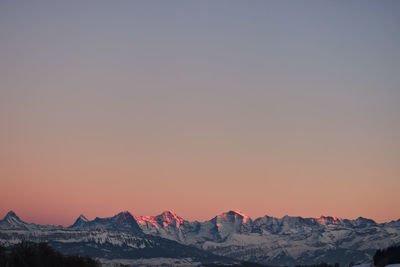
[227, 237]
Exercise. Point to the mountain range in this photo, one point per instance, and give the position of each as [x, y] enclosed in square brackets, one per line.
[226, 238]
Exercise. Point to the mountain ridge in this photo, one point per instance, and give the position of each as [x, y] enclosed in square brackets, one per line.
[321, 219]
[289, 240]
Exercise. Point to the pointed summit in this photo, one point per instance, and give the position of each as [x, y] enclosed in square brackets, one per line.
[123, 221]
[234, 215]
[124, 217]
[11, 212]
[82, 218]
[80, 221]
[168, 217]
[11, 216]
[233, 221]
[13, 221]
[238, 212]
[168, 214]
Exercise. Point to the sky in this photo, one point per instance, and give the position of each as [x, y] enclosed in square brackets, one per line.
[199, 107]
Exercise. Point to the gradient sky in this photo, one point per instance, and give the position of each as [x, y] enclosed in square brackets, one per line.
[270, 107]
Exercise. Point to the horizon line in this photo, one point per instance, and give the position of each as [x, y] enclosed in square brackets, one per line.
[237, 211]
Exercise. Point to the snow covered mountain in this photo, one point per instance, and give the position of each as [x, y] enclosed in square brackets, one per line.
[288, 240]
[269, 240]
[11, 220]
[116, 238]
[123, 221]
[80, 221]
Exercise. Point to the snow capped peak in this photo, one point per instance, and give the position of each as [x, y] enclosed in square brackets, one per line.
[80, 221]
[11, 214]
[245, 217]
[328, 220]
[147, 220]
[231, 222]
[164, 219]
[12, 220]
[236, 214]
[168, 213]
[169, 217]
[82, 218]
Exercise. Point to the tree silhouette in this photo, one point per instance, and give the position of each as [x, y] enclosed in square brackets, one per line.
[387, 256]
[29, 254]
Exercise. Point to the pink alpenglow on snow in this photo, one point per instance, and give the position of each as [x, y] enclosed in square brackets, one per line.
[147, 220]
[168, 217]
[237, 214]
[328, 220]
[165, 219]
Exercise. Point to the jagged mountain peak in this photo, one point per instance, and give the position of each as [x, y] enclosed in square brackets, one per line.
[304, 239]
[168, 213]
[12, 220]
[144, 220]
[11, 214]
[82, 218]
[168, 217]
[123, 221]
[328, 220]
[362, 222]
[124, 216]
[80, 221]
[125, 213]
[234, 214]
[237, 211]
